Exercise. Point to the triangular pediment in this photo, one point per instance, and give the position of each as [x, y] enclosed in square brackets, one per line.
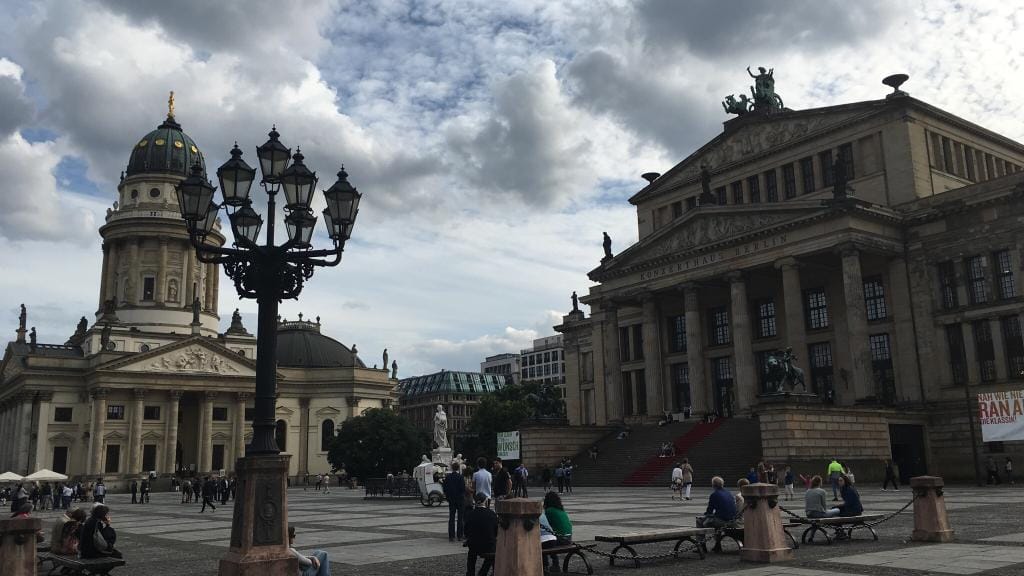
[62, 437]
[327, 411]
[151, 435]
[190, 356]
[746, 138]
[706, 228]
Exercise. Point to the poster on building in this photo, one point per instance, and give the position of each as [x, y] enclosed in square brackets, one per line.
[1001, 415]
[508, 445]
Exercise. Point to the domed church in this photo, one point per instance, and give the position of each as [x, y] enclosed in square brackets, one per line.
[150, 384]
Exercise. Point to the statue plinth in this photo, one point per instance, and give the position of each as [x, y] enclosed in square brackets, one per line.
[259, 526]
[441, 456]
[789, 398]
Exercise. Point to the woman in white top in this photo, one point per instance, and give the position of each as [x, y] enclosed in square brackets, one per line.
[315, 565]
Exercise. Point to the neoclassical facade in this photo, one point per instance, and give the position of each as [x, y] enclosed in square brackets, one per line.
[151, 384]
[895, 291]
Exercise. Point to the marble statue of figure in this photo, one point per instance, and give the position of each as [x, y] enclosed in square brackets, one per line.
[424, 459]
[441, 428]
[394, 369]
[23, 317]
[32, 336]
[385, 364]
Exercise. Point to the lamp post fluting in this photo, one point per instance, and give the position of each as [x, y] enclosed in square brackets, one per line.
[267, 272]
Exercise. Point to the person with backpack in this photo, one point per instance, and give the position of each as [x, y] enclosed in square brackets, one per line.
[520, 477]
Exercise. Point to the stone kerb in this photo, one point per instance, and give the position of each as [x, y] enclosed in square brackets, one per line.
[518, 551]
[931, 523]
[18, 546]
[763, 539]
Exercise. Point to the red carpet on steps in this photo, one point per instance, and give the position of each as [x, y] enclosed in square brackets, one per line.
[655, 467]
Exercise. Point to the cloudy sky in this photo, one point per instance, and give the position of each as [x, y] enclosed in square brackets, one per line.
[493, 141]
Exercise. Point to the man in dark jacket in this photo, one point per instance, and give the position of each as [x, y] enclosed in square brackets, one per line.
[455, 491]
[209, 493]
[134, 489]
[481, 534]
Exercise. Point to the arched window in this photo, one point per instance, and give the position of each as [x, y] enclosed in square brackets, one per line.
[281, 435]
[326, 435]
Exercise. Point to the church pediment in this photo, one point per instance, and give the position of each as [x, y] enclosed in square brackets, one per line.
[704, 228]
[328, 411]
[752, 137]
[191, 356]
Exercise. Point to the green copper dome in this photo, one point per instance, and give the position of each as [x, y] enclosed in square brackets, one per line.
[166, 150]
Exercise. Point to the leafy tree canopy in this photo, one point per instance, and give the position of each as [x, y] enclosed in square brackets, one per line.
[501, 411]
[376, 443]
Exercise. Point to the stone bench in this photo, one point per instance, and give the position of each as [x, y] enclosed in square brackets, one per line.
[70, 565]
[842, 527]
[626, 540]
[569, 550]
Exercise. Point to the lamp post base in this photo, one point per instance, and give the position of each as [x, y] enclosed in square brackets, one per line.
[259, 525]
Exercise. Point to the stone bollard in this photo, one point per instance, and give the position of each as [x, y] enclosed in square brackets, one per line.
[18, 546]
[931, 524]
[518, 550]
[763, 537]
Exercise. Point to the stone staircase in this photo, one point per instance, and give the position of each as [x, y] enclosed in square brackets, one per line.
[727, 447]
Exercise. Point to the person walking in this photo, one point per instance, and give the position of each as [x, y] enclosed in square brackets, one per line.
[481, 534]
[545, 477]
[568, 476]
[1008, 467]
[560, 476]
[677, 481]
[890, 476]
[66, 493]
[209, 493]
[186, 492]
[99, 492]
[835, 469]
[687, 477]
[993, 472]
[454, 488]
[788, 482]
[134, 489]
[46, 500]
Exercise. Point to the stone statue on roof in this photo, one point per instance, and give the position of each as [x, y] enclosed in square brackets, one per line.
[575, 302]
[763, 90]
[607, 243]
[394, 369]
[385, 364]
[840, 181]
[32, 337]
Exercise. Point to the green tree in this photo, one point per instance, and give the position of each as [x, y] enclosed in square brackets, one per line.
[501, 411]
[377, 442]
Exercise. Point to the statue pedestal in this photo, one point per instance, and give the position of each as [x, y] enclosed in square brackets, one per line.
[763, 537]
[18, 546]
[441, 456]
[259, 526]
[518, 551]
[931, 524]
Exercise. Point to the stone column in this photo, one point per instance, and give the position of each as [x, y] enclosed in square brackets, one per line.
[518, 551]
[931, 523]
[905, 352]
[208, 287]
[971, 354]
[24, 437]
[612, 366]
[998, 348]
[742, 343]
[134, 277]
[110, 279]
[695, 352]
[4, 448]
[857, 324]
[599, 359]
[206, 446]
[97, 428]
[187, 291]
[161, 274]
[792, 294]
[170, 458]
[239, 434]
[105, 272]
[135, 432]
[653, 365]
[41, 459]
[303, 436]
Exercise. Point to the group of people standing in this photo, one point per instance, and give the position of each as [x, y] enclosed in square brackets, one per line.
[207, 491]
[52, 495]
[561, 475]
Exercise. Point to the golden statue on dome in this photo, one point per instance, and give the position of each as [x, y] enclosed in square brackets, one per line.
[170, 105]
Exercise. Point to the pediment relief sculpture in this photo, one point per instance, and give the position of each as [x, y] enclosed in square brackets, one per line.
[708, 229]
[191, 359]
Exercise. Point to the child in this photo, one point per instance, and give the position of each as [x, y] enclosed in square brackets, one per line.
[788, 481]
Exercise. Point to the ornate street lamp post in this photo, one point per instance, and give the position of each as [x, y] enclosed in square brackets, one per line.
[267, 273]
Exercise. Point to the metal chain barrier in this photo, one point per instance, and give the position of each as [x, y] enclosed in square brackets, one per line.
[865, 525]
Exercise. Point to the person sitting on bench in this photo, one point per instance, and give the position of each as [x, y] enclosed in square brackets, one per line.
[315, 564]
[64, 537]
[558, 522]
[851, 498]
[814, 501]
[97, 538]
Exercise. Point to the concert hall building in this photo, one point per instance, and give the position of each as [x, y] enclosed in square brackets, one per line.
[893, 298]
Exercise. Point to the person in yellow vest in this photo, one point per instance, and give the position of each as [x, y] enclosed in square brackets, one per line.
[835, 470]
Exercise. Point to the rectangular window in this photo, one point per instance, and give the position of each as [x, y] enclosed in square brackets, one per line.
[627, 393]
[1010, 326]
[737, 192]
[691, 202]
[641, 392]
[220, 414]
[62, 414]
[825, 161]
[947, 285]
[984, 349]
[881, 366]
[638, 342]
[820, 355]
[957, 356]
[874, 299]
[677, 333]
[115, 412]
[720, 197]
[991, 166]
[771, 186]
[817, 309]
[218, 457]
[807, 174]
[754, 183]
[681, 386]
[113, 462]
[977, 279]
[148, 286]
[1004, 274]
[677, 209]
[947, 155]
[766, 319]
[624, 344]
[846, 153]
[148, 457]
[719, 326]
[969, 163]
[150, 412]
[789, 181]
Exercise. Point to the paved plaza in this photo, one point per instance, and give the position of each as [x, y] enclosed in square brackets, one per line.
[389, 537]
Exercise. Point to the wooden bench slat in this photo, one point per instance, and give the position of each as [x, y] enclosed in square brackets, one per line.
[652, 535]
[840, 520]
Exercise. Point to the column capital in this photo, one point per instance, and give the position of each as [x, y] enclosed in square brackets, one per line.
[787, 262]
[174, 394]
[848, 249]
[164, 241]
[304, 402]
[242, 396]
[99, 393]
[139, 393]
[44, 396]
[352, 401]
[210, 394]
[736, 276]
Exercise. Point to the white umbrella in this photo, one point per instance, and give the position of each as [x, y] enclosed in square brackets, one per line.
[9, 477]
[45, 475]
